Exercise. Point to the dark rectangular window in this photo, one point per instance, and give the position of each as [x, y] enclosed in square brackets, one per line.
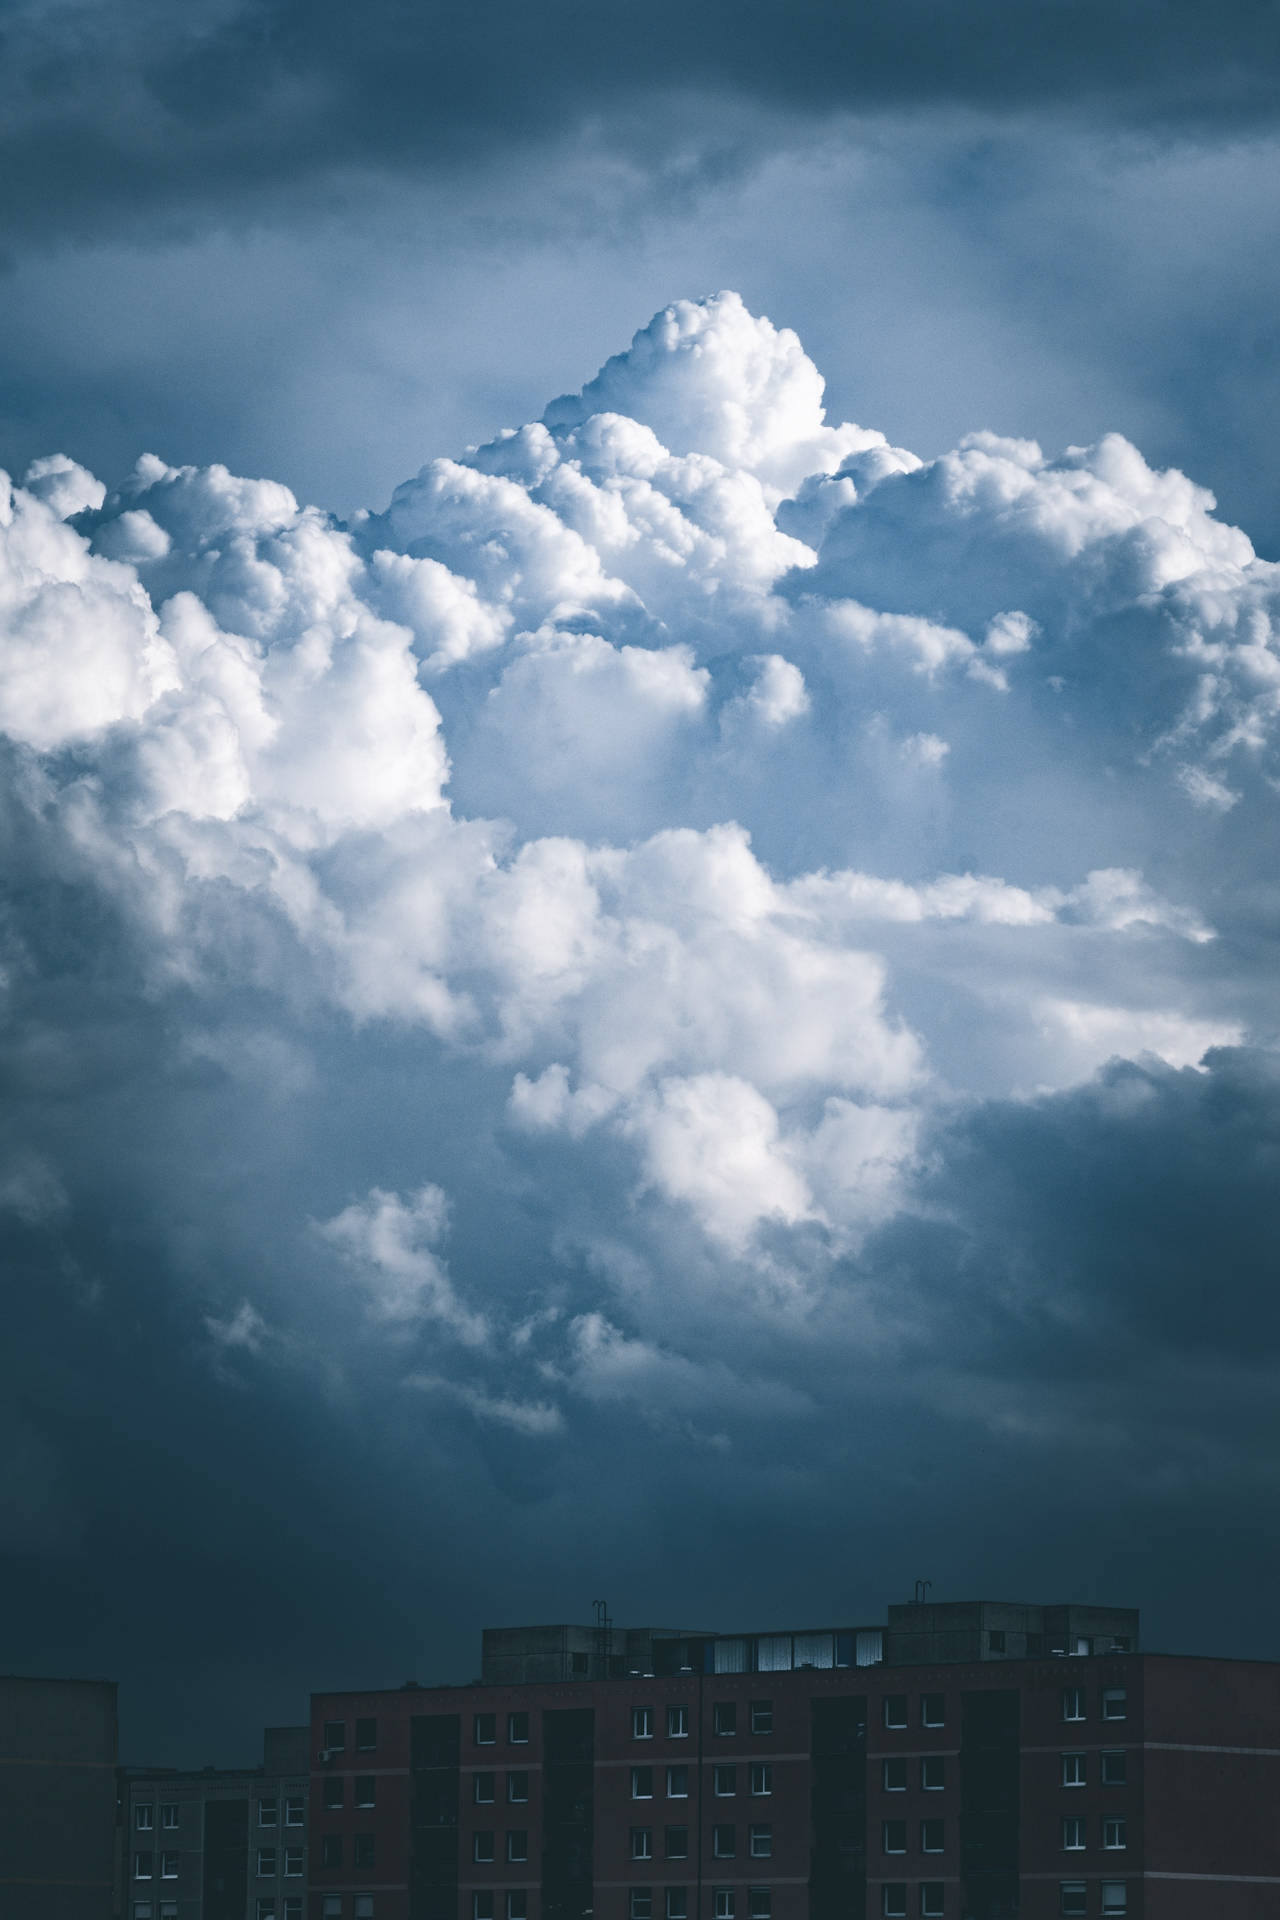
[894, 1776]
[932, 1836]
[580, 1665]
[642, 1723]
[1073, 1703]
[331, 1850]
[932, 1898]
[724, 1781]
[995, 1640]
[517, 1845]
[295, 1811]
[761, 1777]
[895, 1710]
[482, 1846]
[761, 1842]
[517, 1788]
[366, 1790]
[677, 1783]
[933, 1709]
[677, 1843]
[335, 1788]
[518, 1729]
[724, 1907]
[677, 1723]
[482, 1788]
[482, 1906]
[725, 1717]
[1115, 1769]
[759, 1903]
[723, 1844]
[641, 1903]
[893, 1836]
[762, 1716]
[642, 1843]
[933, 1773]
[1075, 1769]
[893, 1900]
[143, 1866]
[518, 1903]
[335, 1735]
[642, 1783]
[1115, 1703]
[677, 1903]
[1073, 1897]
[362, 1850]
[486, 1729]
[366, 1735]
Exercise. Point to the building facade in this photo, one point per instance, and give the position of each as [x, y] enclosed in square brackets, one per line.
[1002, 1762]
[218, 1844]
[57, 1798]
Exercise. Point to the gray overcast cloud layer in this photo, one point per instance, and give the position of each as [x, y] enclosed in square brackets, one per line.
[687, 1008]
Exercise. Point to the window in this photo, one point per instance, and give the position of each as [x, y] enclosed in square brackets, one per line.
[518, 1899]
[1121, 1643]
[641, 1907]
[1115, 1769]
[482, 1846]
[366, 1737]
[482, 1906]
[761, 1842]
[266, 1863]
[486, 1729]
[268, 1812]
[759, 1903]
[677, 1843]
[724, 1781]
[1114, 1899]
[761, 1777]
[724, 1842]
[642, 1783]
[295, 1810]
[1073, 1703]
[331, 1850]
[725, 1717]
[517, 1844]
[144, 1817]
[333, 1906]
[677, 1903]
[933, 1773]
[1115, 1703]
[482, 1788]
[894, 1776]
[642, 1723]
[168, 1866]
[142, 1866]
[642, 1843]
[267, 1909]
[932, 1836]
[1073, 1770]
[893, 1900]
[579, 1665]
[335, 1735]
[1073, 1836]
[677, 1783]
[169, 1816]
[995, 1640]
[932, 1897]
[677, 1723]
[293, 1863]
[168, 1910]
[893, 1836]
[762, 1716]
[724, 1903]
[293, 1905]
[517, 1788]
[142, 1910]
[933, 1709]
[1114, 1833]
[1073, 1897]
[364, 1906]
[335, 1788]
[895, 1710]
[518, 1729]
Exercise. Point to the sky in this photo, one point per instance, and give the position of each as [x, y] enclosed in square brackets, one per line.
[639, 721]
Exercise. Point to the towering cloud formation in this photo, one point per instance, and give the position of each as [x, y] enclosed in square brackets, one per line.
[614, 933]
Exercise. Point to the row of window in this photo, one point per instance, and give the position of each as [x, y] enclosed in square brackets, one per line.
[933, 1774]
[362, 1850]
[295, 1813]
[268, 1864]
[931, 1898]
[517, 1845]
[486, 1729]
[1115, 1703]
[1114, 1769]
[676, 1903]
[724, 1781]
[724, 1719]
[933, 1836]
[724, 1842]
[484, 1788]
[364, 1791]
[1073, 1897]
[1115, 1834]
[335, 1735]
[333, 1907]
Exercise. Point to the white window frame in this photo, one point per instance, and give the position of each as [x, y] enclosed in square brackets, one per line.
[927, 1761]
[637, 1896]
[677, 1792]
[144, 1817]
[893, 1900]
[642, 1843]
[168, 1807]
[718, 1774]
[1079, 1766]
[899, 1766]
[1117, 1890]
[293, 1863]
[761, 1778]
[636, 1792]
[1113, 1697]
[677, 1723]
[261, 1872]
[642, 1723]
[933, 1886]
[724, 1903]
[1115, 1836]
[1074, 1706]
[1073, 1833]
[761, 1841]
[170, 1865]
[884, 1837]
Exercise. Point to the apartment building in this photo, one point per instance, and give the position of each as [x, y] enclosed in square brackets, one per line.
[970, 1762]
[57, 1798]
[218, 1844]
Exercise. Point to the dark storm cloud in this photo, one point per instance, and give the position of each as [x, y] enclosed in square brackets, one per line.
[139, 111]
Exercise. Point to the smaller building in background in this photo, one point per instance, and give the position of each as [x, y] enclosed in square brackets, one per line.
[218, 1844]
[57, 1798]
